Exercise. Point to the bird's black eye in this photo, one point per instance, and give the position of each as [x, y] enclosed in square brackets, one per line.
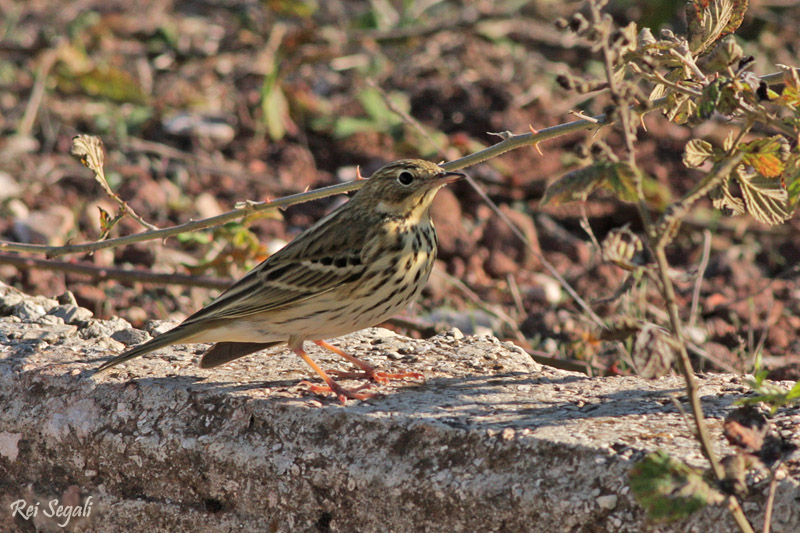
[405, 177]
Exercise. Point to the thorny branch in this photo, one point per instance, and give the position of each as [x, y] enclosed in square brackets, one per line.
[248, 208]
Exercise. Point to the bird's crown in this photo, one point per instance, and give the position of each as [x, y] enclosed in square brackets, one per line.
[405, 184]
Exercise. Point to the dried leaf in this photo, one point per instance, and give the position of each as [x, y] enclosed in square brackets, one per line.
[89, 151]
[696, 153]
[669, 489]
[791, 178]
[735, 481]
[680, 107]
[576, 185]
[766, 199]
[728, 142]
[725, 54]
[623, 248]
[710, 20]
[746, 428]
[790, 96]
[725, 201]
[622, 328]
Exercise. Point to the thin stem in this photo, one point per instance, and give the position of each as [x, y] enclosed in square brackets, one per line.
[701, 271]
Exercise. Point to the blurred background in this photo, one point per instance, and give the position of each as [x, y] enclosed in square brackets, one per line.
[205, 104]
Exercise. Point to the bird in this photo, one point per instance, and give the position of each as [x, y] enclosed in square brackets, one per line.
[353, 269]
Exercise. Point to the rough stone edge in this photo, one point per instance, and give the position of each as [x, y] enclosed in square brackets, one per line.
[244, 462]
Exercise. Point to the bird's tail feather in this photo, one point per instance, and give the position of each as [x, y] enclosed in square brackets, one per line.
[225, 352]
[172, 336]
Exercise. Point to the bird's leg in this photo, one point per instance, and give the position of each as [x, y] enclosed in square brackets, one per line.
[330, 386]
[369, 372]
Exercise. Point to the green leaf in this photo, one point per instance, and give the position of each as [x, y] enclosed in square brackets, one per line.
[294, 8]
[347, 126]
[696, 153]
[579, 184]
[766, 156]
[710, 100]
[621, 181]
[775, 397]
[791, 176]
[274, 107]
[101, 81]
[194, 237]
[669, 489]
[373, 104]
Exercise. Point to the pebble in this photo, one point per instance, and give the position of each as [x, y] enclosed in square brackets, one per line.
[456, 333]
[608, 502]
[130, 336]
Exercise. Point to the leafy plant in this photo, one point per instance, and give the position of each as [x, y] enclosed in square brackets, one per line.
[692, 79]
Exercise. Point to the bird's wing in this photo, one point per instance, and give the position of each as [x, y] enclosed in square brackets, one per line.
[320, 259]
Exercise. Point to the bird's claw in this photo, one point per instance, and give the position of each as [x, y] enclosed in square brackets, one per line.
[341, 393]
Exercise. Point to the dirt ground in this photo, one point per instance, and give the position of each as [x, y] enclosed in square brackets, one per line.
[205, 104]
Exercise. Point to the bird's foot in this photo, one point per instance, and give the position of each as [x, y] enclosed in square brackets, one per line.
[341, 393]
[367, 370]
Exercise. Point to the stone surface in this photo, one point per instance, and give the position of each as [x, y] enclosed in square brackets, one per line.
[490, 441]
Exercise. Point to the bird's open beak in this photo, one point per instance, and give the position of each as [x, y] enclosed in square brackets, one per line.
[450, 177]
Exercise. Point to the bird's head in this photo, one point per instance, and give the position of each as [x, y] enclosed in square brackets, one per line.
[406, 187]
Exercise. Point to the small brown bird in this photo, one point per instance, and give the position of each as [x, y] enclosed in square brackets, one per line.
[353, 269]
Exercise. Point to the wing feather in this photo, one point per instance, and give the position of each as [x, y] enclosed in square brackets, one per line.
[320, 259]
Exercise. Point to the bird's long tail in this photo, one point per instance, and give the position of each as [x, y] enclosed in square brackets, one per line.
[173, 336]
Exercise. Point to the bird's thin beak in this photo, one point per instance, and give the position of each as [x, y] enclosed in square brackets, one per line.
[450, 177]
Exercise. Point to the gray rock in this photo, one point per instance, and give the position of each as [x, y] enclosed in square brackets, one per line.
[72, 314]
[29, 310]
[67, 298]
[490, 441]
[50, 320]
[51, 334]
[104, 328]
